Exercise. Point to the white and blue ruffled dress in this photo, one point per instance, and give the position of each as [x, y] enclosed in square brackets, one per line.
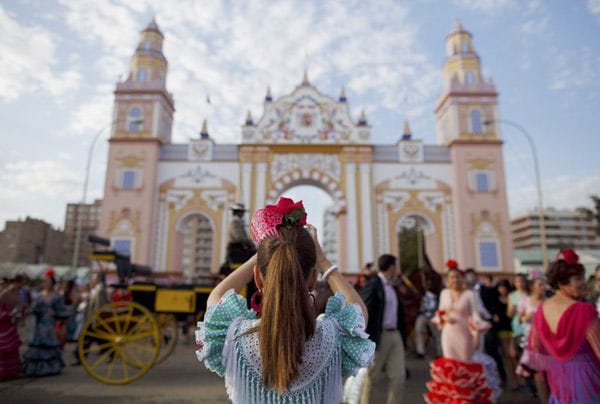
[338, 348]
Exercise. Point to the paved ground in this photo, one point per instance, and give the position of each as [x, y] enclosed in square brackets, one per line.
[180, 379]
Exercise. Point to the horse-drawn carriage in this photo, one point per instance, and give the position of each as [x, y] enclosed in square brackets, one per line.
[123, 339]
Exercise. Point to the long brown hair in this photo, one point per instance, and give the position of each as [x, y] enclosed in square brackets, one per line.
[287, 316]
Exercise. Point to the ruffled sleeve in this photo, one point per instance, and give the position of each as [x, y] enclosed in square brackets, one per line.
[357, 348]
[212, 334]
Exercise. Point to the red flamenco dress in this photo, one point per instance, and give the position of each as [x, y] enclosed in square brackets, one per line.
[455, 377]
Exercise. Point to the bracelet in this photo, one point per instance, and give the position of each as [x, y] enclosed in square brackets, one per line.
[329, 271]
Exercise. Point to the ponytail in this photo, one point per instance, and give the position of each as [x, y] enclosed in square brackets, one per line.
[287, 316]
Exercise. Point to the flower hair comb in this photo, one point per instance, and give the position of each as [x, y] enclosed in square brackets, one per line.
[286, 213]
[568, 255]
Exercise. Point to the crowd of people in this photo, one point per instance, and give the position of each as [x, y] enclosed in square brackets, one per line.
[37, 320]
[312, 336]
[537, 332]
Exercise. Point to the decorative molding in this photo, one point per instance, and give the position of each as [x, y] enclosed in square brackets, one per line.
[306, 116]
[413, 179]
[416, 218]
[179, 199]
[283, 164]
[410, 151]
[215, 199]
[396, 200]
[196, 176]
[200, 150]
[131, 161]
[432, 200]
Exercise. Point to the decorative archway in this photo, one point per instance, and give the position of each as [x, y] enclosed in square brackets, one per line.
[194, 245]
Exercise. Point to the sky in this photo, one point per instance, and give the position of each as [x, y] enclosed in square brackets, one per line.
[60, 61]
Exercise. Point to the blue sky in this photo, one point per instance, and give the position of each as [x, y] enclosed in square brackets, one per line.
[61, 59]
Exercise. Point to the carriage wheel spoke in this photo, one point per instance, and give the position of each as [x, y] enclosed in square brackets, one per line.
[98, 347]
[116, 317]
[99, 335]
[139, 336]
[104, 324]
[135, 328]
[103, 357]
[112, 364]
[128, 318]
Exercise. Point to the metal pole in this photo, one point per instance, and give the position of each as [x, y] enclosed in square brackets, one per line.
[538, 184]
[79, 225]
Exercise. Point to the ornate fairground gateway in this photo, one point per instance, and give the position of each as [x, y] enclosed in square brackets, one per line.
[168, 204]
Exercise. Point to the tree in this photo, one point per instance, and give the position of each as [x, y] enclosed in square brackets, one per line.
[409, 242]
[593, 214]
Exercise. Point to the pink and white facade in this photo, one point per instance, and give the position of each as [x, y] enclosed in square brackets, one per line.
[168, 204]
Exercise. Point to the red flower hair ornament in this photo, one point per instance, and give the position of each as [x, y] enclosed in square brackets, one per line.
[286, 213]
[452, 264]
[568, 256]
[49, 273]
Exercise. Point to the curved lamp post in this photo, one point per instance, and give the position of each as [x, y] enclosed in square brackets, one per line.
[538, 184]
[75, 258]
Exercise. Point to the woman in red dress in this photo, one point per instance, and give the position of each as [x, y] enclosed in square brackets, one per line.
[10, 363]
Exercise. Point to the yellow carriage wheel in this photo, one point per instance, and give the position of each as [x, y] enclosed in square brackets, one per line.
[168, 331]
[119, 343]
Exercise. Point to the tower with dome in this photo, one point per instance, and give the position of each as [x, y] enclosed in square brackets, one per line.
[167, 204]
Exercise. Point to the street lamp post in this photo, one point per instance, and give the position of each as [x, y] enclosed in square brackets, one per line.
[79, 225]
[538, 184]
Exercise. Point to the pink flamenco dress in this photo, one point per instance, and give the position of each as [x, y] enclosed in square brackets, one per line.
[455, 377]
[570, 356]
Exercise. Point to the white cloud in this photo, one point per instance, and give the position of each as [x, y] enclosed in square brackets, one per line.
[561, 192]
[576, 70]
[594, 6]
[535, 26]
[109, 25]
[487, 6]
[28, 61]
[40, 188]
[92, 115]
[234, 53]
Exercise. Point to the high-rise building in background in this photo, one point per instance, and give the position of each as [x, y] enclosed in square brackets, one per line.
[329, 243]
[564, 228]
[90, 215]
[31, 241]
[168, 204]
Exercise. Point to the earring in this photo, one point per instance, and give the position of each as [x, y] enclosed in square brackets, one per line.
[256, 306]
[314, 299]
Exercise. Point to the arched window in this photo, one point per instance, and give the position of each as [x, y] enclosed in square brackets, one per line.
[141, 75]
[476, 122]
[464, 47]
[469, 77]
[134, 119]
[488, 247]
[147, 45]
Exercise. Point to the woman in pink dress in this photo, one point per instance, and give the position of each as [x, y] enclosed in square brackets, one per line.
[456, 378]
[564, 341]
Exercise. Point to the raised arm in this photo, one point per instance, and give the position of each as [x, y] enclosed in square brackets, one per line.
[236, 281]
[336, 281]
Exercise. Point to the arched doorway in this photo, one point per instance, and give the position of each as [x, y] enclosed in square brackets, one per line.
[412, 230]
[194, 247]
